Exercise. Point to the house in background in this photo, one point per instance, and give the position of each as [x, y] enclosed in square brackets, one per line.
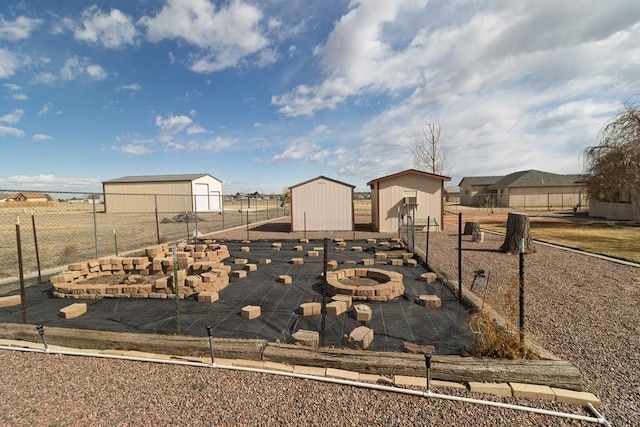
[27, 196]
[414, 192]
[452, 194]
[166, 193]
[322, 204]
[525, 189]
[473, 190]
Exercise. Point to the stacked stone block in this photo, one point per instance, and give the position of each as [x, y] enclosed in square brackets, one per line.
[200, 268]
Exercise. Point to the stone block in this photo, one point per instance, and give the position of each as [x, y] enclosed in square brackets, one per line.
[313, 253]
[362, 337]
[363, 312]
[304, 240]
[310, 308]
[576, 397]
[345, 298]
[276, 245]
[208, 296]
[412, 263]
[381, 255]
[429, 301]
[532, 391]
[251, 312]
[10, 301]
[342, 374]
[309, 370]
[332, 265]
[240, 261]
[239, 273]
[264, 261]
[73, 310]
[297, 248]
[429, 277]
[356, 248]
[285, 278]
[305, 337]
[251, 267]
[372, 241]
[297, 261]
[496, 389]
[245, 249]
[336, 308]
[368, 261]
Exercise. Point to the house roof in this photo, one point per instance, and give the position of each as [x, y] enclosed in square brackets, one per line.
[159, 178]
[535, 178]
[452, 189]
[481, 180]
[409, 172]
[321, 177]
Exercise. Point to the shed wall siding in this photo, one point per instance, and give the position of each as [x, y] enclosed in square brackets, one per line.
[327, 206]
[170, 196]
[392, 192]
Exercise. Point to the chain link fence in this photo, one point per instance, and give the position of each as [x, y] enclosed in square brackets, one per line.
[57, 228]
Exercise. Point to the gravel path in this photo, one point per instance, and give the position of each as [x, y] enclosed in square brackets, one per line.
[583, 309]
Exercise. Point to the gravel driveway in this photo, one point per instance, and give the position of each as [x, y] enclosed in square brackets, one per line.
[581, 308]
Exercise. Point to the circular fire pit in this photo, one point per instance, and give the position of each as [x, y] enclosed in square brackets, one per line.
[373, 284]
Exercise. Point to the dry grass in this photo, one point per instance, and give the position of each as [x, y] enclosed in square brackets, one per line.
[597, 237]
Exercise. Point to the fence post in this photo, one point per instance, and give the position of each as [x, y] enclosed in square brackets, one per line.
[460, 255]
[95, 224]
[35, 242]
[155, 202]
[426, 251]
[21, 273]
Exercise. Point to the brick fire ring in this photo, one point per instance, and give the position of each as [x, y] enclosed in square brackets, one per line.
[345, 282]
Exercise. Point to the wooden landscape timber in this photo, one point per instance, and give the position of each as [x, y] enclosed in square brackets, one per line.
[554, 373]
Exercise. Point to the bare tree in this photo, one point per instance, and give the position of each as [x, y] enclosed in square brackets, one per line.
[612, 168]
[427, 153]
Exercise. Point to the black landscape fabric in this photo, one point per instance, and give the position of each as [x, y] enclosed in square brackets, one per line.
[393, 322]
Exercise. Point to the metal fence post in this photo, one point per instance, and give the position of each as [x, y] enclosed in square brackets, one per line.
[460, 255]
[95, 224]
[155, 202]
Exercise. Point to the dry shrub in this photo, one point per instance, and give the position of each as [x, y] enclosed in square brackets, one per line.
[500, 341]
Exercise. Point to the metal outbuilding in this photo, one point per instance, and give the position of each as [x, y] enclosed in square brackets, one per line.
[164, 193]
[408, 193]
[322, 204]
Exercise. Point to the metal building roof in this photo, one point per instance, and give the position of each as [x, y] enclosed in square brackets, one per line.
[159, 178]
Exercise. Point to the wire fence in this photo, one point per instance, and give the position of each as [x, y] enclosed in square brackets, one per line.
[58, 228]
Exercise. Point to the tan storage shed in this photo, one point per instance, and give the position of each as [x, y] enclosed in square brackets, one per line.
[322, 204]
[168, 193]
[408, 192]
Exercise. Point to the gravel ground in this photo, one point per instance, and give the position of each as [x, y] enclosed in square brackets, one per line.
[581, 308]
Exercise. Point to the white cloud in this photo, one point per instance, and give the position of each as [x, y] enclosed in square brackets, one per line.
[173, 124]
[20, 97]
[12, 87]
[132, 87]
[224, 35]
[10, 131]
[19, 29]
[96, 72]
[195, 129]
[8, 63]
[113, 30]
[134, 149]
[41, 137]
[47, 182]
[45, 109]
[13, 117]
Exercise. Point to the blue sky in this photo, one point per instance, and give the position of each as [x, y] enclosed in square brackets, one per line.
[267, 94]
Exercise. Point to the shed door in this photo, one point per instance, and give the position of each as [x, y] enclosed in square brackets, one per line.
[202, 197]
[214, 201]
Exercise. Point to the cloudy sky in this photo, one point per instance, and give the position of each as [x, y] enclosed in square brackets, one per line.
[266, 94]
